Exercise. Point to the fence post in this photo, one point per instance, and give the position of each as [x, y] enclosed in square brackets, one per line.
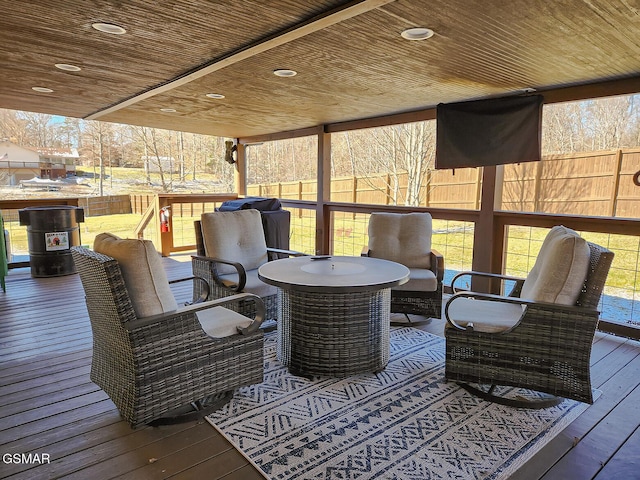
[354, 192]
[388, 192]
[427, 193]
[300, 189]
[536, 187]
[479, 172]
[613, 204]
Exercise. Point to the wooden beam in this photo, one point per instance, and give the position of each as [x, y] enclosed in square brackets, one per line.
[384, 121]
[625, 86]
[621, 226]
[271, 137]
[17, 204]
[319, 22]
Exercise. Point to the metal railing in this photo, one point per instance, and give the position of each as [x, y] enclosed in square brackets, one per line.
[514, 241]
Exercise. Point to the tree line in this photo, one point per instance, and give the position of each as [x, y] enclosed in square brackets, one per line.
[599, 124]
[102, 145]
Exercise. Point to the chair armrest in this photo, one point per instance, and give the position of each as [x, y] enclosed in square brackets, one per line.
[437, 265]
[192, 309]
[205, 287]
[291, 253]
[242, 274]
[519, 280]
[551, 307]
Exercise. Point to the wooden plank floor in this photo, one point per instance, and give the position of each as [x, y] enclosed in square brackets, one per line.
[49, 407]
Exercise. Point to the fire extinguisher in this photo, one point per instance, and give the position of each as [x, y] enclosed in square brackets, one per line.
[164, 219]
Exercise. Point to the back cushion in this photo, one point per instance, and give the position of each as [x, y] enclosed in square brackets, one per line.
[401, 237]
[142, 271]
[560, 269]
[235, 236]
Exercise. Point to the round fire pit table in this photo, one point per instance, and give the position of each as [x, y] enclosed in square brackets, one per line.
[333, 312]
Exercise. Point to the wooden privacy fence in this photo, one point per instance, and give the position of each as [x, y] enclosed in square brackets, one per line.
[136, 203]
[107, 205]
[593, 183]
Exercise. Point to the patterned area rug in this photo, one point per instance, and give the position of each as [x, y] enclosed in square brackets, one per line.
[404, 423]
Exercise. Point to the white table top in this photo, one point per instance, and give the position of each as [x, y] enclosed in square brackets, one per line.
[333, 274]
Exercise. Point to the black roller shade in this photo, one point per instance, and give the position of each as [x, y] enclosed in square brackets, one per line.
[489, 132]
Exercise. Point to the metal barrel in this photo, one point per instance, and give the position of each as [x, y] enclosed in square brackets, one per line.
[51, 232]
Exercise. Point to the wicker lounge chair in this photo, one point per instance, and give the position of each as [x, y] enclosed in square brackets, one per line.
[540, 336]
[163, 367]
[230, 249]
[406, 238]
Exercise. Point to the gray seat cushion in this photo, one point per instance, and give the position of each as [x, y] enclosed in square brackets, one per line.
[234, 236]
[420, 279]
[401, 237]
[560, 269]
[254, 284]
[142, 271]
[485, 315]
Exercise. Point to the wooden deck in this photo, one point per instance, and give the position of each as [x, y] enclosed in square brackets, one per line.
[48, 405]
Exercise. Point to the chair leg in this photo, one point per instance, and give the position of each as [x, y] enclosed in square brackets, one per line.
[195, 410]
[548, 401]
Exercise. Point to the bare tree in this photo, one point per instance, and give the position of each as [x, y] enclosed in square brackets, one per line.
[13, 127]
[150, 138]
[407, 149]
[69, 132]
[591, 125]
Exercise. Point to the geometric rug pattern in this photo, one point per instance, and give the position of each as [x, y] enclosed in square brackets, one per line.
[405, 423]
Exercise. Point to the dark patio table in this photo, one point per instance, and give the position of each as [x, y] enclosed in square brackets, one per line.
[333, 312]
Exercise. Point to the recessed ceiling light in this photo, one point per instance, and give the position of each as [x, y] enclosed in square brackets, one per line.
[42, 89]
[418, 33]
[214, 95]
[283, 72]
[168, 110]
[67, 67]
[109, 28]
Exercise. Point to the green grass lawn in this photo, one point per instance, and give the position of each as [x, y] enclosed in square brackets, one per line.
[454, 240]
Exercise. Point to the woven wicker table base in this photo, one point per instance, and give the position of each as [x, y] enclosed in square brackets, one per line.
[334, 334]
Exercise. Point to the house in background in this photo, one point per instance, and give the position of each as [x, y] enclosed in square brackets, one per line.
[24, 163]
[156, 164]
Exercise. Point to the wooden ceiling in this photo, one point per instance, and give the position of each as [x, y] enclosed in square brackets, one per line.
[350, 59]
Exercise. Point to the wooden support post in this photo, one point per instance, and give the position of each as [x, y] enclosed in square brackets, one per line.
[488, 239]
[323, 218]
[240, 174]
[166, 238]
